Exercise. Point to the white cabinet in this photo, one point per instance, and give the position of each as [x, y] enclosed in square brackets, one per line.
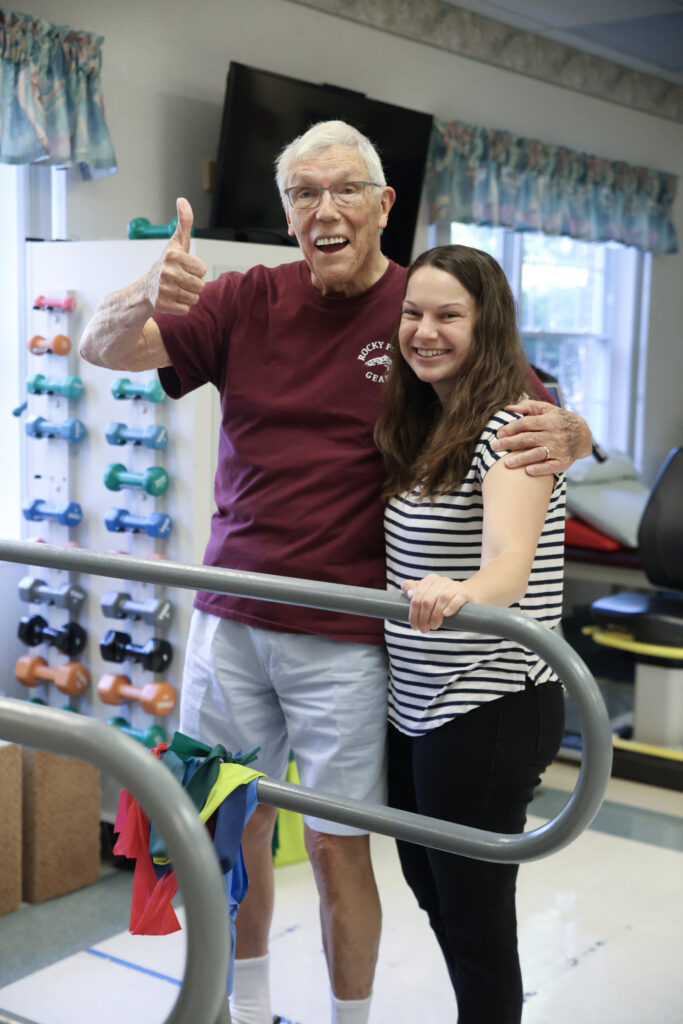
[57, 472]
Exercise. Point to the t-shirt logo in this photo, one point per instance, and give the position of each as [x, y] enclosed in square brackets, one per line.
[376, 358]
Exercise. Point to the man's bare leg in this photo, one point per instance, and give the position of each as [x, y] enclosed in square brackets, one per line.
[350, 911]
[256, 909]
[250, 999]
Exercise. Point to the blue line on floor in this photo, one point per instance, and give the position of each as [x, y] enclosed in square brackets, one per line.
[134, 967]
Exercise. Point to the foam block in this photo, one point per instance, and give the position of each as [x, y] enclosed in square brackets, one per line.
[10, 826]
[61, 827]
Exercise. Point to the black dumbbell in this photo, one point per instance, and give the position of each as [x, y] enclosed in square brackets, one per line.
[155, 655]
[155, 611]
[66, 595]
[69, 638]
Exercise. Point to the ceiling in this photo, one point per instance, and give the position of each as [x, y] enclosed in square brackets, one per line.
[646, 35]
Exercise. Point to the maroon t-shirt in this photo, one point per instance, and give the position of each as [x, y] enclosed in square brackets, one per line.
[298, 483]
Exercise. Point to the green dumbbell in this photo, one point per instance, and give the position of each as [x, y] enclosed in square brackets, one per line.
[69, 387]
[154, 480]
[152, 391]
[152, 736]
[140, 227]
[65, 707]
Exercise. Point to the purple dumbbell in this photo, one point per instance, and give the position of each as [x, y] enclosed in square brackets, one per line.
[151, 437]
[157, 524]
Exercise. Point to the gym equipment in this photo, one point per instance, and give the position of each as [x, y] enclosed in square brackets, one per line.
[66, 595]
[70, 429]
[155, 611]
[155, 655]
[154, 698]
[152, 391]
[153, 436]
[66, 304]
[69, 386]
[69, 513]
[60, 345]
[596, 755]
[152, 736]
[650, 625]
[156, 524]
[69, 638]
[72, 678]
[140, 227]
[153, 480]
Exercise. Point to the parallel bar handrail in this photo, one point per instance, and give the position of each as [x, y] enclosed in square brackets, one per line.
[596, 762]
[202, 996]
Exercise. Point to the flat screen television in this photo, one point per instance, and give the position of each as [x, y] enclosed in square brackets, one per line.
[264, 111]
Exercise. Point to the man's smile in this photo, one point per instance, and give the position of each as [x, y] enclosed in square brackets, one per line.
[332, 243]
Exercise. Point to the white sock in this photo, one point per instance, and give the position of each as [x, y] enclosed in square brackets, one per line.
[250, 999]
[350, 1011]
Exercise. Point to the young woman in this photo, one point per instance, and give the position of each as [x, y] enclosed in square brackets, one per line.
[474, 720]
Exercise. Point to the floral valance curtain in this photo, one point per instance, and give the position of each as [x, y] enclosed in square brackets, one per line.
[51, 106]
[478, 175]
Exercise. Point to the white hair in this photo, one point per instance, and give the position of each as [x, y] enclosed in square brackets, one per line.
[321, 136]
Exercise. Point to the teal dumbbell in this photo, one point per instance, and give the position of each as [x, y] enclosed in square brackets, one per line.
[152, 391]
[140, 227]
[69, 386]
[154, 480]
[152, 736]
[70, 429]
[65, 707]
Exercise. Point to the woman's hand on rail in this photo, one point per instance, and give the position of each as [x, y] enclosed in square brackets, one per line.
[433, 599]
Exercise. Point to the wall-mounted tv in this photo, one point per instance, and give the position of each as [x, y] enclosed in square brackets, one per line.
[264, 111]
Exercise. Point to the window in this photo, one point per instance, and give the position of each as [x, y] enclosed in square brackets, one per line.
[580, 318]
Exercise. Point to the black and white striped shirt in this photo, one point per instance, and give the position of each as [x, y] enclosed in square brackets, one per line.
[444, 673]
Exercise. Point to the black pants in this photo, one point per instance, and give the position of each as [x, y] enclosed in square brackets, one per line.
[480, 769]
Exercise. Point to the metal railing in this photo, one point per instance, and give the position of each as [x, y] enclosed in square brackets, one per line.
[202, 995]
[580, 809]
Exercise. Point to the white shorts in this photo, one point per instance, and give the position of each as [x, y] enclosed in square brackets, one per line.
[326, 700]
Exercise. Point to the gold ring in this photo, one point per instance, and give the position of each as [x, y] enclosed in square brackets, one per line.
[547, 452]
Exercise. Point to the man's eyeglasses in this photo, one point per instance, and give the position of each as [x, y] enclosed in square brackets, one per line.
[344, 193]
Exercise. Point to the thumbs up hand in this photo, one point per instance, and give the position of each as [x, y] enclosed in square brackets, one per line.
[176, 281]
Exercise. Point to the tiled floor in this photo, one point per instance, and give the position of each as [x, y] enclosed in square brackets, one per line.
[601, 935]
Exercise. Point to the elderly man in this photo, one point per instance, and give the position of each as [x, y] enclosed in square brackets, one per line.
[297, 353]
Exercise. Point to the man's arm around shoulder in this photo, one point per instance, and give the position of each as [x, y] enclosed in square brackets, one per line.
[121, 334]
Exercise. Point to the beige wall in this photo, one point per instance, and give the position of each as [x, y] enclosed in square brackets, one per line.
[164, 70]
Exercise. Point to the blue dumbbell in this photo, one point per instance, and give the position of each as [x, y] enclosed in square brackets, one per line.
[151, 436]
[69, 513]
[157, 524]
[70, 386]
[70, 429]
[152, 390]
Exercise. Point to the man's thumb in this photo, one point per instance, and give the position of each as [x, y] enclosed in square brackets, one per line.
[183, 231]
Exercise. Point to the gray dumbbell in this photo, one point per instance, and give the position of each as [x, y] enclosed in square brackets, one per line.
[66, 595]
[155, 611]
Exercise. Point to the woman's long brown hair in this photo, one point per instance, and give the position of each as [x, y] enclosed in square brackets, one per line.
[427, 445]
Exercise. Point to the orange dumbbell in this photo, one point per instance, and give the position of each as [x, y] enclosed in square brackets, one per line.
[155, 698]
[60, 345]
[72, 678]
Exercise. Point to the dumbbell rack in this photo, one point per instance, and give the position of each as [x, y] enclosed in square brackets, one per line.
[56, 471]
